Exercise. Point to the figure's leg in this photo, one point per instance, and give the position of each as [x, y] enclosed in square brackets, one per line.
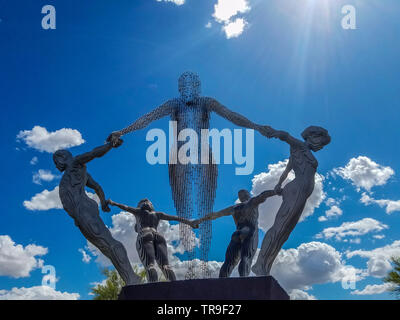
[98, 234]
[249, 247]
[162, 258]
[285, 221]
[206, 189]
[145, 248]
[180, 179]
[232, 256]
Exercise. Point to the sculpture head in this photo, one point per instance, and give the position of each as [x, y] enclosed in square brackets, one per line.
[316, 137]
[61, 158]
[244, 195]
[145, 204]
[189, 86]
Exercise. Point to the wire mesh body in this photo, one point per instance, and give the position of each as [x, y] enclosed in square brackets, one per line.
[193, 184]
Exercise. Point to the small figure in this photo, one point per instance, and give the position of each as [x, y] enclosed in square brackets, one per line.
[151, 245]
[244, 240]
[85, 211]
[295, 193]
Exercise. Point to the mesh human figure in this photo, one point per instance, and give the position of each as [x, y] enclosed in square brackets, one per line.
[151, 245]
[193, 185]
[244, 241]
[294, 194]
[85, 211]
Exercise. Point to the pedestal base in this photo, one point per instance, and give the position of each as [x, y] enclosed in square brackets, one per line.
[251, 288]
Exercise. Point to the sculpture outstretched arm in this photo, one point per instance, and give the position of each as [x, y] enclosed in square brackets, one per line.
[92, 184]
[257, 200]
[215, 215]
[97, 152]
[164, 110]
[278, 187]
[123, 207]
[231, 116]
[269, 132]
[168, 217]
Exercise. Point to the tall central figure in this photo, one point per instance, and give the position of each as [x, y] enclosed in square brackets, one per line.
[193, 184]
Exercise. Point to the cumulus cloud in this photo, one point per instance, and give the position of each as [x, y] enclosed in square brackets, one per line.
[85, 257]
[379, 259]
[389, 205]
[364, 173]
[235, 28]
[311, 263]
[177, 2]
[225, 13]
[352, 229]
[224, 10]
[268, 180]
[373, 289]
[48, 200]
[333, 212]
[297, 294]
[18, 261]
[44, 141]
[36, 293]
[43, 175]
[34, 161]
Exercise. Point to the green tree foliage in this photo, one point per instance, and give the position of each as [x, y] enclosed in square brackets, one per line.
[393, 277]
[113, 284]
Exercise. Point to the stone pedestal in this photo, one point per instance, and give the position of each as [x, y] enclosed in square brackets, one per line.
[251, 288]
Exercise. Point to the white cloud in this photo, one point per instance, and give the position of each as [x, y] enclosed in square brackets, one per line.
[352, 229]
[364, 173]
[177, 2]
[85, 257]
[18, 261]
[40, 139]
[45, 200]
[235, 28]
[389, 205]
[225, 13]
[297, 294]
[373, 289]
[43, 175]
[333, 212]
[224, 10]
[34, 161]
[48, 200]
[379, 259]
[268, 180]
[311, 263]
[36, 293]
[208, 25]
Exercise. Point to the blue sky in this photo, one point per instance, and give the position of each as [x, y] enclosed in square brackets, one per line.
[291, 66]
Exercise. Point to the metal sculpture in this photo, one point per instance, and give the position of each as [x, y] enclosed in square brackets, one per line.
[85, 211]
[151, 245]
[244, 241]
[294, 194]
[193, 185]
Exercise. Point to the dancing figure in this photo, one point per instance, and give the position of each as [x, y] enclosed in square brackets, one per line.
[85, 211]
[151, 245]
[294, 194]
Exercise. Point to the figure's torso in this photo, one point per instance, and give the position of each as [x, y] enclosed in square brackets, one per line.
[305, 166]
[72, 187]
[147, 219]
[244, 214]
[194, 116]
